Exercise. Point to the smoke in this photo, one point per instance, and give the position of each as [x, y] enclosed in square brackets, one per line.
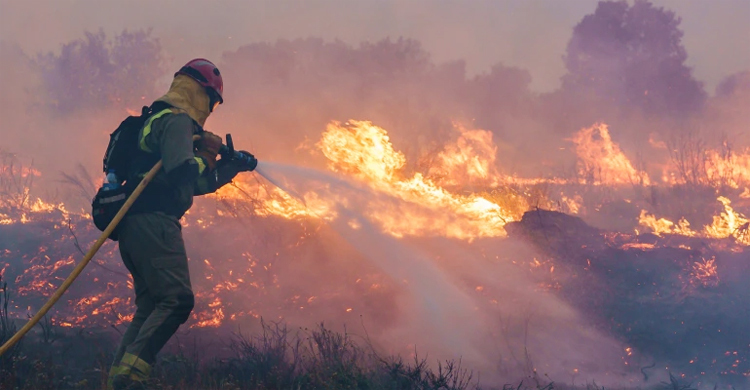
[528, 34]
[282, 92]
[489, 66]
[436, 303]
[439, 309]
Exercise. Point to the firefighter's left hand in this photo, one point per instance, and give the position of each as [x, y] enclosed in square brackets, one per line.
[208, 148]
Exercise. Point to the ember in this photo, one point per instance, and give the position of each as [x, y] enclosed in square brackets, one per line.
[704, 273]
[599, 230]
[414, 207]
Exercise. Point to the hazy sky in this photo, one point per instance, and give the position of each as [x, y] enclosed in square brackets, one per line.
[527, 33]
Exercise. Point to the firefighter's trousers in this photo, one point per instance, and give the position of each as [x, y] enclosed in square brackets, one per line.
[152, 249]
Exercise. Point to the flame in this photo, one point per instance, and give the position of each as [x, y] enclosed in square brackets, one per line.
[5, 219]
[664, 226]
[19, 201]
[600, 160]
[267, 201]
[644, 246]
[571, 205]
[468, 161]
[705, 273]
[210, 318]
[729, 224]
[429, 204]
[364, 151]
[728, 169]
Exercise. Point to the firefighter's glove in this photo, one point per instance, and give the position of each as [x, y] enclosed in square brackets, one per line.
[226, 170]
[248, 162]
[208, 148]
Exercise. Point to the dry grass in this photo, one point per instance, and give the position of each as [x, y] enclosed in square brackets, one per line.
[274, 358]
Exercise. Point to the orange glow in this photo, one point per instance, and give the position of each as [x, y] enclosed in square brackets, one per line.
[363, 150]
[664, 226]
[468, 161]
[460, 195]
[729, 169]
[600, 160]
[638, 245]
[729, 224]
[212, 317]
[705, 273]
[571, 205]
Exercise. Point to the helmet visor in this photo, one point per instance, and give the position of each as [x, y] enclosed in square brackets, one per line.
[214, 98]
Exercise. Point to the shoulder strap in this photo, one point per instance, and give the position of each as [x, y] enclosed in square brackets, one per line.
[157, 106]
[147, 129]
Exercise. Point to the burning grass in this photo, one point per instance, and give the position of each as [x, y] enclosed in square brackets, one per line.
[276, 358]
[259, 251]
[56, 358]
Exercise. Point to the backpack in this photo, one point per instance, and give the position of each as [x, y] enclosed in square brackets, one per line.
[118, 158]
[123, 142]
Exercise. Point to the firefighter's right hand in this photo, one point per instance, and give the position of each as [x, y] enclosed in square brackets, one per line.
[208, 148]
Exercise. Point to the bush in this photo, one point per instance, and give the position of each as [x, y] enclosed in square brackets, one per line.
[96, 72]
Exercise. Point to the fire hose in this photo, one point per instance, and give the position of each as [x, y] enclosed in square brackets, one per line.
[227, 150]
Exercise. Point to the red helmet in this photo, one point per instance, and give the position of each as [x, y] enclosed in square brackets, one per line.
[206, 74]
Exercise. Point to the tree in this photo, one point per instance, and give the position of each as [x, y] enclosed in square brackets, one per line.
[632, 57]
[301, 85]
[728, 113]
[737, 84]
[499, 95]
[95, 72]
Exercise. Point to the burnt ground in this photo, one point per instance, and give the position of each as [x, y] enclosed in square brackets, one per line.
[643, 290]
[640, 288]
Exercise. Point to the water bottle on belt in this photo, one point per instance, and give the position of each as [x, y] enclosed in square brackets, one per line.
[112, 183]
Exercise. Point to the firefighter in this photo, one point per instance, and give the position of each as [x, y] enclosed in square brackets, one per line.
[150, 235]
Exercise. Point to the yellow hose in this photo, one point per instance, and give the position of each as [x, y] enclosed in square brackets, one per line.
[79, 268]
